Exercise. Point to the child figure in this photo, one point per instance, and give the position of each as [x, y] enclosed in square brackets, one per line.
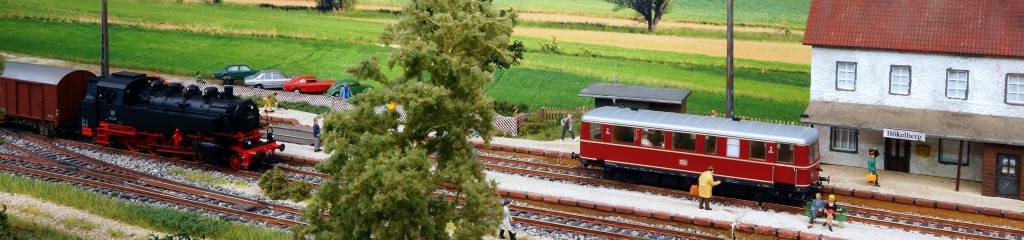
[872, 160]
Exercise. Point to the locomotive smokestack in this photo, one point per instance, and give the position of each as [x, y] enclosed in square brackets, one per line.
[228, 91]
[104, 43]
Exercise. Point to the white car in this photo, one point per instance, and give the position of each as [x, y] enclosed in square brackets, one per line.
[267, 79]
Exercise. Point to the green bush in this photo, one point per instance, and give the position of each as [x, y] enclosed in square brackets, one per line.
[551, 47]
[180, 236]
[508, 108]
[275, 185]
[5, 227]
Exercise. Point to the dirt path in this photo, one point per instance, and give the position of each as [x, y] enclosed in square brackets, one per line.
[767, 51]
[77, 222]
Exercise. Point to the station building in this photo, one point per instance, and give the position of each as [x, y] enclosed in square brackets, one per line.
[936, 86]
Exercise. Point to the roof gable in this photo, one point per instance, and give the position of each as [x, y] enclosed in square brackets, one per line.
[976, 27]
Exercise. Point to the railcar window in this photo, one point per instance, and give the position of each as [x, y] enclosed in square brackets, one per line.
[757, 150]
[814, 152]
[653, 138]
[732, 148]
[710, 142]
[595, 131]
[785, 153]
[623, 135]
[684, 141]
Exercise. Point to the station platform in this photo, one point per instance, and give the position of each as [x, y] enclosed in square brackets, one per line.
[556, 145]
[937, 192]
[918, 186]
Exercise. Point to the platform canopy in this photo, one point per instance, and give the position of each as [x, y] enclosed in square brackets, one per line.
[635, 93]
[954, 125]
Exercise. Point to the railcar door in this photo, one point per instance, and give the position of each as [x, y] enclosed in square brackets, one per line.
[897, 155]
[1008, 175]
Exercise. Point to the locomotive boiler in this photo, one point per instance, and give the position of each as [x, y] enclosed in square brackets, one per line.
[145, 114]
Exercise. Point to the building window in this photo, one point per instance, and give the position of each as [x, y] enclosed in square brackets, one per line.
[595, 131]
[899, 80]
[846, 76]
[757, 150]
[785, 153]
[653, 138]
[732, 147]
[950, 151]
[684, 141]
[956, 84]
[623, 135]
[709, 144]
[844, 140]
[1015, 88]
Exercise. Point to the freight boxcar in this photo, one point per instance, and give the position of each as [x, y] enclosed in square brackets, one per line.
[43, 97]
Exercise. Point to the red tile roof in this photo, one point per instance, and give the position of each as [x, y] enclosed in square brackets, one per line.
[971, 27]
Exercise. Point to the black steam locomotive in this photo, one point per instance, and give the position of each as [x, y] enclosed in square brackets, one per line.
[146, 114]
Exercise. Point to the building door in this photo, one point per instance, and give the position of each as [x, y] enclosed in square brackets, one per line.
[897, 155]
[1008, 175]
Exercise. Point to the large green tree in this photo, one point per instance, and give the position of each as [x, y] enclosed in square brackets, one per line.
[650, 10]
[396, 180]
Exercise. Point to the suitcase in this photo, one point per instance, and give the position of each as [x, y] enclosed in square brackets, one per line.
[872, 178]
[693, 190]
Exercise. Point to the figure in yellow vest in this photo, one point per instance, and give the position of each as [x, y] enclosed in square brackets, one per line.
[706, 182]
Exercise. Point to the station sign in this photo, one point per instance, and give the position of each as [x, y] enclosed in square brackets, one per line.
[903, 134]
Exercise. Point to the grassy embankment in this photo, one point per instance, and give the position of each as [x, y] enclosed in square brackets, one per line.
[145, 216]
[173, 38]
[771, 13]
[24, 229]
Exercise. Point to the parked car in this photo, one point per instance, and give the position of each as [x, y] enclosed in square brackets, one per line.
[308, 84]
[270, 79]
[232, 72]
[353, 85]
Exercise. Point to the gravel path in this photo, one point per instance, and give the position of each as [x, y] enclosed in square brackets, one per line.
[55, 216]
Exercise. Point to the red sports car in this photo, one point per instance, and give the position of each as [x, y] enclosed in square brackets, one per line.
[308, 84]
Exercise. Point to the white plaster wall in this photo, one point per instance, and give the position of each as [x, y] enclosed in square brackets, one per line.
[986, 85]
[918, 165]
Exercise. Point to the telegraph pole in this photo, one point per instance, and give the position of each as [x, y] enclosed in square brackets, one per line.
[728, 63]
[104, 43]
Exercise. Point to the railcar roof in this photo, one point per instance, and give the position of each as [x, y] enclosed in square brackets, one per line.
[35, 73]
[636, 93]
[702, 125]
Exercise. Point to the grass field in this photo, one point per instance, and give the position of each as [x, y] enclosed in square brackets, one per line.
[183, 53]
[145, 216]
[775, 13]
[158, 38]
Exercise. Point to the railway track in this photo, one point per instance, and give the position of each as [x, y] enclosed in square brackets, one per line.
[296, 173]
[41, 158]
[598, 227]
[917, 223]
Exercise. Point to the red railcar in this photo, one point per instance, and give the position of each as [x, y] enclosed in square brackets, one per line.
[765, 161]
[43, 97]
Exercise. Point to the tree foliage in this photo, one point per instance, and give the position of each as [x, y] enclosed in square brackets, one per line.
[335, 5]
[650, 10]
[384, 182]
